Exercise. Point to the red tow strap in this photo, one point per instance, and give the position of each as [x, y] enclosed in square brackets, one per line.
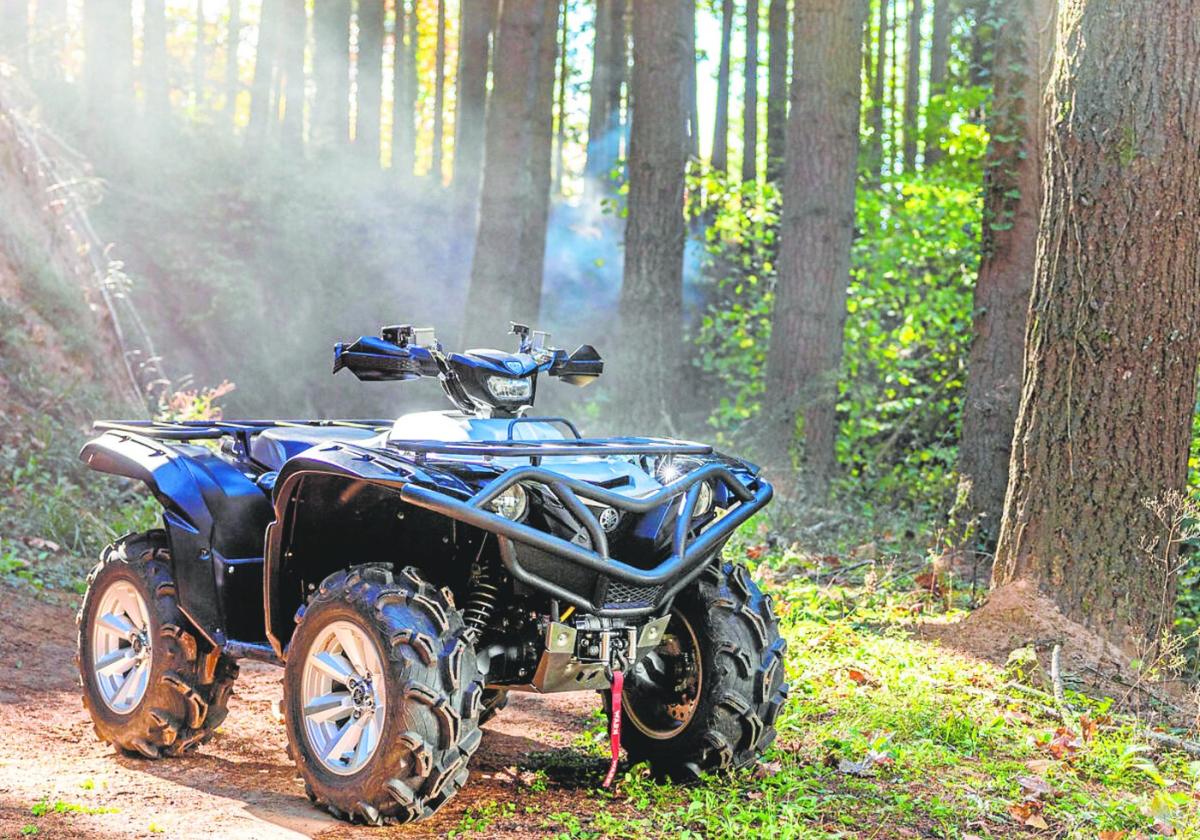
[614, 731]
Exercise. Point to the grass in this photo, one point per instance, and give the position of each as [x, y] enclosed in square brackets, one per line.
[885, 735]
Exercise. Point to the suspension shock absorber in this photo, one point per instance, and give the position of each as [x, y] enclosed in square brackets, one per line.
[481, 602]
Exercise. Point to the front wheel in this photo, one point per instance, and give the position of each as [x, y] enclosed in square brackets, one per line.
[707, 697]
[381, 696]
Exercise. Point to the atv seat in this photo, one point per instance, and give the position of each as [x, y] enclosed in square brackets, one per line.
[272, 447]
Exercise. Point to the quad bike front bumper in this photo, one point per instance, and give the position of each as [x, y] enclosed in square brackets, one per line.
[592, 580]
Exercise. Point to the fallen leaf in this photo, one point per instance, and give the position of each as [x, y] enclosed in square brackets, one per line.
[1036, 787]
[39, 543]
[767, 769]
[1039, 765]
[1064, 744]
[756, 551]
[1029, 814]
[1088, 728]
[861, 676]
[1111, 835]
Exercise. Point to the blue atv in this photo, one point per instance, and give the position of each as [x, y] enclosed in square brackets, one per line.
[409, 574]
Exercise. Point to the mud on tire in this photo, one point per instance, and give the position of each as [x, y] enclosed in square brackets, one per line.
[434, 697]
[190, 682]
[741, 687]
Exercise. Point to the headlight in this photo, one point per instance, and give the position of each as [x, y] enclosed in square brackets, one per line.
[510, 389]
[511, 503]
[704, 501]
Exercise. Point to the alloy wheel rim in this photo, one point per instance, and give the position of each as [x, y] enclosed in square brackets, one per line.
[665, 686]
[343, 697]
[122, 655]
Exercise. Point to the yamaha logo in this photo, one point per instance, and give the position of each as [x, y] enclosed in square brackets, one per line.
[514, 366]
[609, 518]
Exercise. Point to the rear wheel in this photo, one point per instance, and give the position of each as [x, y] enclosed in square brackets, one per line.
[151, 685]
[381, 696]
[707, 697]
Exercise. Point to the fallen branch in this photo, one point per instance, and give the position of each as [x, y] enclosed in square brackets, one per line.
[1189, 747]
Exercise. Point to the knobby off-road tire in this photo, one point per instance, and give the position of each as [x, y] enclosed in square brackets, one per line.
[494, 701]
[189, 683]
[741, 685]
[432, 695]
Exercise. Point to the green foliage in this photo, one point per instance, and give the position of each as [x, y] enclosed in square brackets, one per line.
[909, 313]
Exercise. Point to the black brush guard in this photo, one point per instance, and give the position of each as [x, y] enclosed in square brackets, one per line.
[653, 588]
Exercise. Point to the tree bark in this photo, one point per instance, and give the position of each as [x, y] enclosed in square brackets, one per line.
[688, 9]
[108, 61]
[777, 72]
[155, 75]
[370, 80]
[479, 19]
[263, 110]
[233, 84]
[651, 303]
[878, 80]
[331, 72]
[720, 144]
[815, 234]
[506, 274]
[533, 245]
[51, 26]
[439, 97]
[912, 85]
[404, 136]
[560, 159]
[291, 63]
[604, 113]
[1111, 350]
[199, 58]
[750, 97]
[1012, 197]
[939, 57]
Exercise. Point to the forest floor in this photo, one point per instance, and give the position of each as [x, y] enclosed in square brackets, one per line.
[887, 735]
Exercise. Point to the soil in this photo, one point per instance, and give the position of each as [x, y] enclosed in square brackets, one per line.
[242, 783]
[1018, 615]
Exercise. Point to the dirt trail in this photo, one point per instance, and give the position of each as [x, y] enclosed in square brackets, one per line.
[242, 783]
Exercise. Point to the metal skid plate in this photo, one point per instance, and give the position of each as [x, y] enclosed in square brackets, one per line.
[561, 670]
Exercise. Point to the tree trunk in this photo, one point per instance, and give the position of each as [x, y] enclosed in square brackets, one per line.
[108, 61]
[404, 136]
[1111, 350]
[875, 112]
[564, 70]
[370, 80]
[506, 277]
[155, 75]
[939, 57]
[14, 31]
[199, 58]
[439, 97]
[51, 26]
[720, 144]
[291, 63]
[651, 304]
[233, 38]
[688, 8]
[604, 114]
[263, 112]
[912, 85]
[777, 72]
[331, 74]
[750, 96]
[815, 234]
[1012, 197]
[533, 245]
[479, 19]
